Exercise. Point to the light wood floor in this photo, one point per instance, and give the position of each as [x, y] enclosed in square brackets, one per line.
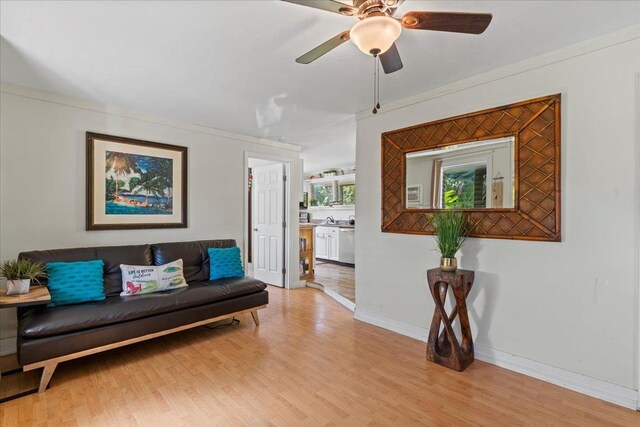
[338, 278]
[308, 364]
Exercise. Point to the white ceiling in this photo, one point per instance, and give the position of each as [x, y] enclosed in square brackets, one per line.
[230, 64]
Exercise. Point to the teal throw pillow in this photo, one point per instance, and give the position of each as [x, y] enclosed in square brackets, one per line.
[224, 263]
[75, 282]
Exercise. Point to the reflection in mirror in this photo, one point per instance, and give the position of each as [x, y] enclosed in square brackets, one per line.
[474, 175]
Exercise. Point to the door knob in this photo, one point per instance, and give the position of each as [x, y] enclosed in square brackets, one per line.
[255, 229]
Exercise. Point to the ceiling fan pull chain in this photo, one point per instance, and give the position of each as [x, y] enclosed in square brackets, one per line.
[375, 97]
[375, 94]
[378, 83]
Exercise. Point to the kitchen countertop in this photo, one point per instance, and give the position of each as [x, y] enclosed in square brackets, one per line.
[339, 224]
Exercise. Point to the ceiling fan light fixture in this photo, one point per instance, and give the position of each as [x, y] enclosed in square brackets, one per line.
[375, 34]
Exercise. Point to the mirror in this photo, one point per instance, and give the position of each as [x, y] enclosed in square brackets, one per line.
[530, 187]
[474, 175]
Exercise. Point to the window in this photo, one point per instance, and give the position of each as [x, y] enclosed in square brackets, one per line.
[347, 193]
[461, 183]
[464, 187]
[322, 194]
[332, 193]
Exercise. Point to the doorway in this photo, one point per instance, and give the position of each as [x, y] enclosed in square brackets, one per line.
[267, 236]
[331, 213]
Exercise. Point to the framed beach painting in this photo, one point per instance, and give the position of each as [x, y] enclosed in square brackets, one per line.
[134, 184]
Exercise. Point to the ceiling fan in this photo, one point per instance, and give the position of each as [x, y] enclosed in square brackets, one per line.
[377, 31]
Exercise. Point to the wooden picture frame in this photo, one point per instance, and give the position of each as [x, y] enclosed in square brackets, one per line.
[535, 125]
[135, 184]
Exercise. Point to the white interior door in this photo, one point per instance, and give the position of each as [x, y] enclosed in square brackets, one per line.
[268, 221]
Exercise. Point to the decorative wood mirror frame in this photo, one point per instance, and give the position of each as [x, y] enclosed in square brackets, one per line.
[535, 124]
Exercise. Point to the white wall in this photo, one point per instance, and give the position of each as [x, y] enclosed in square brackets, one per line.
[420, 171]
[571, 305]
[42, 177]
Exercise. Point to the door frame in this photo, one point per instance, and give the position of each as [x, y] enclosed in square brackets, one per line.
[637, 242]
[286, 235]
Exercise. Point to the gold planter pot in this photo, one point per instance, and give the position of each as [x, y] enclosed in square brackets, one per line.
[448, 264]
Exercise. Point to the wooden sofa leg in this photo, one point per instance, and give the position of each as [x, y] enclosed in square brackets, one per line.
[256, 319]
[46, 376]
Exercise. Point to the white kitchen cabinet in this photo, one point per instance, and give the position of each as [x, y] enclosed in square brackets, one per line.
[334, 244]
[328, 243]
[321, 244]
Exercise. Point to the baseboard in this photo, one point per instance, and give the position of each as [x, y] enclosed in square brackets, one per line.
[330, 261]
[603, 390]
[315, 286]
[593, 387]
[401, 328]
[340, 299]
[295, 284]
[8, 346]
[336, 296]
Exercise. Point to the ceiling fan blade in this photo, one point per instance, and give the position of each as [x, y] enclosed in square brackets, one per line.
[390, 60]
[325, 47]
[454, 22]
[329, 5]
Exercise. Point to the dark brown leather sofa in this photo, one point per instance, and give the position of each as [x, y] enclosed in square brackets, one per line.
[50, 335]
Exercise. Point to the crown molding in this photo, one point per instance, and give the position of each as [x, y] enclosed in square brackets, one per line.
[26, 92]
[584, 47]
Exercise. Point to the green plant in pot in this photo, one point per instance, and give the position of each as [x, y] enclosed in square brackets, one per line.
[19, 274]
[451, 229]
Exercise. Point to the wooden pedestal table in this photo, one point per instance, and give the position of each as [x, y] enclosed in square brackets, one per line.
[445, 348]
[37, 295]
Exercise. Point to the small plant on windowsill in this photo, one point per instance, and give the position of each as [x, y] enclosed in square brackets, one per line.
[451, 229]
[19, 274]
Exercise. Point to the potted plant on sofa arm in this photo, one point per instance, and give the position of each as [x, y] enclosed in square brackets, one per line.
[451, 228]
[19, 274]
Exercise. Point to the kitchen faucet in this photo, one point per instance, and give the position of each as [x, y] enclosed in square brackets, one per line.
[330, 220]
